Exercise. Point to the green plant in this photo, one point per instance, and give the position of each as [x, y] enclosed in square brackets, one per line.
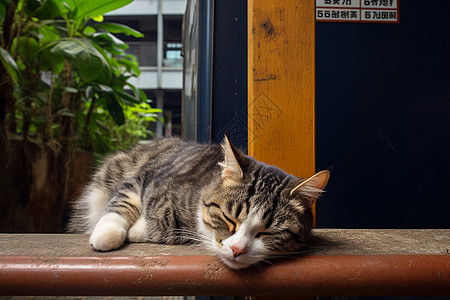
[63, 69]
[107, 134]
[64, 83]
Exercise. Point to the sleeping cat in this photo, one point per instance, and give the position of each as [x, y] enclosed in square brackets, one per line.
[172, 192]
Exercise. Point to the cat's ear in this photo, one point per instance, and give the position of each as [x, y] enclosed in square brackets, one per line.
[309, 189]
[232, 163]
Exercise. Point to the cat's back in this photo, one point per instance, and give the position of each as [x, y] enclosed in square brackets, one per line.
[181, 161]
[161, 157]
[123, 165]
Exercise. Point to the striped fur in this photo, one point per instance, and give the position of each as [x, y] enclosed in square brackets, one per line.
[171, 192]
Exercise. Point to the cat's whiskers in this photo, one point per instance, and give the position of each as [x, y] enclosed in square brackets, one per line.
[287, 256]
[194, 236]
[310, 247]
[266, 261]
[301, 252]
[258, 265]
[190, 233]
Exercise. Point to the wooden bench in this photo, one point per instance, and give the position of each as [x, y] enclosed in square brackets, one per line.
[339, 262]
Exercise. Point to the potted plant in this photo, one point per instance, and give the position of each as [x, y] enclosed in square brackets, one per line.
[64, 83]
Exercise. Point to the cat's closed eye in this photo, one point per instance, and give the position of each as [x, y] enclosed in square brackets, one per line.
[233, 225]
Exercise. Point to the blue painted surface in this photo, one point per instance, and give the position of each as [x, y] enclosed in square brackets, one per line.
[383, 120]
[215, 77]
[229, 106]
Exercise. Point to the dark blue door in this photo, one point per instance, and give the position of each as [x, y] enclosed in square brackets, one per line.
[383, 120]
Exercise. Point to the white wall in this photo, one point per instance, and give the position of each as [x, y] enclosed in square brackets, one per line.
[150, 7]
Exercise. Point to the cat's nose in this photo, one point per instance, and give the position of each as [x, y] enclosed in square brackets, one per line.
[237, 251]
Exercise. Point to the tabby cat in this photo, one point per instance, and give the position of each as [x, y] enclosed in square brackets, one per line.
[172, 192]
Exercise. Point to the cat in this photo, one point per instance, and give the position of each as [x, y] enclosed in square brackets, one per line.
[170, 191]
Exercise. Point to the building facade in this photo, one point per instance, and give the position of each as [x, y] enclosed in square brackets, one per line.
[159, 54]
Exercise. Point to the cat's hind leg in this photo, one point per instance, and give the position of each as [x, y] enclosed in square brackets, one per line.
[138, 231]
[121, 212]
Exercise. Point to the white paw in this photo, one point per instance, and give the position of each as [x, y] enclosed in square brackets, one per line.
[109, 233]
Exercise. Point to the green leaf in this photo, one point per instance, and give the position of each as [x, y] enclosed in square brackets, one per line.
[85, 57]
[105, 88]
[143, 96]
[52, 61]
[98, 18]
[48, 34]
[104, 78]
[49, 9]
[131, 64]
[89, 30]
[102, 125]
[31, 6]
[65, 112]
[127, 98]
[69, 89]
[89, 92]
[107, 39]
[90, 8]
[119, 28]
[2, 12]
[10, 65]
[26, 46]
[115, 109]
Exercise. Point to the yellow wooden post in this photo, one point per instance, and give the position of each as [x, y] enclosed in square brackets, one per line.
[281, 84]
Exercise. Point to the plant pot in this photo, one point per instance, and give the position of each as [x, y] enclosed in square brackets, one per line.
[36, 187]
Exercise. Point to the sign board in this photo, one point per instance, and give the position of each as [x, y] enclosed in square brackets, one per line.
[363, 11]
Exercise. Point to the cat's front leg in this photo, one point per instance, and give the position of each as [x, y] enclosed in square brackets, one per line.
[110, 232]
[122, 210]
